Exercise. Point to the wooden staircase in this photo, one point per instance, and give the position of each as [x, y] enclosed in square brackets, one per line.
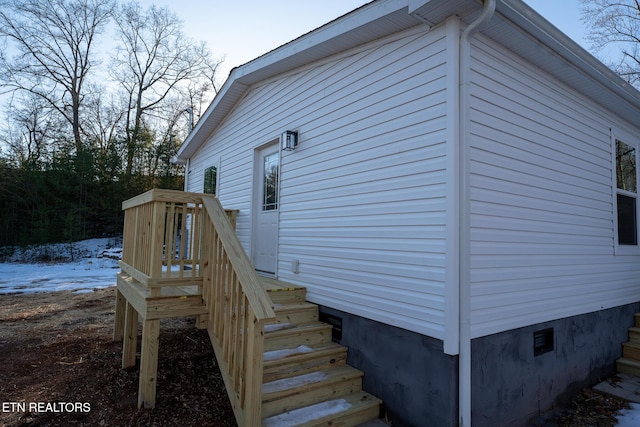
[629, 363]
[182, 257]
[306, 381]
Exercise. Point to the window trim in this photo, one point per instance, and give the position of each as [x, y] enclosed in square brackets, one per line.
[632, 142]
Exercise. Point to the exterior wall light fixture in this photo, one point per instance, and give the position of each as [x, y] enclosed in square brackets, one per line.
[289, 140]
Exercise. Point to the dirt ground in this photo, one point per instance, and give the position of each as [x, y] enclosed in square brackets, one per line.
[57, 359]
[56, 348]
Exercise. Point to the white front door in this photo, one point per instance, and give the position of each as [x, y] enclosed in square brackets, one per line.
[265, 239]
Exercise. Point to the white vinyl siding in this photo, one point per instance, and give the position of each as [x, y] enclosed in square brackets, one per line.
[542, 234]
[362, 202]
[363, 206]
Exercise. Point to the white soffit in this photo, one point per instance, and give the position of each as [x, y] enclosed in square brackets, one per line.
[515, 26]
[525, 32]
[370, 22]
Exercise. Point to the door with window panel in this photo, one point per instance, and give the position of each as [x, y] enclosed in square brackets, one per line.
[265, 241]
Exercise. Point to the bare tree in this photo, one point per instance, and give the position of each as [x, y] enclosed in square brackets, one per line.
[155, 61]
[29, 131]
[203, 87]
[616, 24]
[104, 115]
[55, 42]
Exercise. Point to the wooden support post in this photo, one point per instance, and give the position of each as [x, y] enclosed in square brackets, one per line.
[121, 308]
[130, 337]
[202, 321]
[149, 364]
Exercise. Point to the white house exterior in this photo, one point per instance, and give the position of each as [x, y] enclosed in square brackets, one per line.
[450, 196]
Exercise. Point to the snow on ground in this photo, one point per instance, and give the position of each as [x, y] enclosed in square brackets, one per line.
[81, 267]
[93, 264]
[629, 417]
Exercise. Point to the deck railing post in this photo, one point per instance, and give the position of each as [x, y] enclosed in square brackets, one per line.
[157, 238]
[253, 375]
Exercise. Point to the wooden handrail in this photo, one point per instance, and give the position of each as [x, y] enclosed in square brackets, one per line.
[245, 270]
[238, 308]
[161, 195]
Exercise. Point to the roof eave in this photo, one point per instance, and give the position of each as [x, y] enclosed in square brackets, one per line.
[575, 55]
[369, 22]
[383, 17]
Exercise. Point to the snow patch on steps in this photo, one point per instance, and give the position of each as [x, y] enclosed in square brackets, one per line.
[293, 382]
[277, 327]
[309, 413]
[281, 354]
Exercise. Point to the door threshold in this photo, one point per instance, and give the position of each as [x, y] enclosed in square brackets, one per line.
[266, 274]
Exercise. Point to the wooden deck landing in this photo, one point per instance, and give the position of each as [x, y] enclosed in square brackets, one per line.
[170, 301]
[135, 300]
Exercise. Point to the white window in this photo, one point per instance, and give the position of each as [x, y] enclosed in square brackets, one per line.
[210, 180]
[626, 194]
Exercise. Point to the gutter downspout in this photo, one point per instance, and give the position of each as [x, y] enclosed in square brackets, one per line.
[464, 363]
[186, 174]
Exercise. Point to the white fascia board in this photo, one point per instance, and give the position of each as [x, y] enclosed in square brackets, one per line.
[335, 36]
[539, 28]
[255, 70]
[414, 5]
[223, 102]
[329, 39]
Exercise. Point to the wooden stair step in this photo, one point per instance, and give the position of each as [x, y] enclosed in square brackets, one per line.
[636, 320]
[272, 327]
[297, 313]
[631, 350]
[283, 292]
[634, 334]
[345, 411]
[307, 389]
[321, 356]
[288, 296]
[628, 366]
[307, 334]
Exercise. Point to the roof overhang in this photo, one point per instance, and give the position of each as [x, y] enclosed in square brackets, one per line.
[515, 26]
[367, 23]
[534, 38]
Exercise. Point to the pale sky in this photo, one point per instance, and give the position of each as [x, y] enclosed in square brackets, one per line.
[245, 29]
[242, 30]
[564, 14]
